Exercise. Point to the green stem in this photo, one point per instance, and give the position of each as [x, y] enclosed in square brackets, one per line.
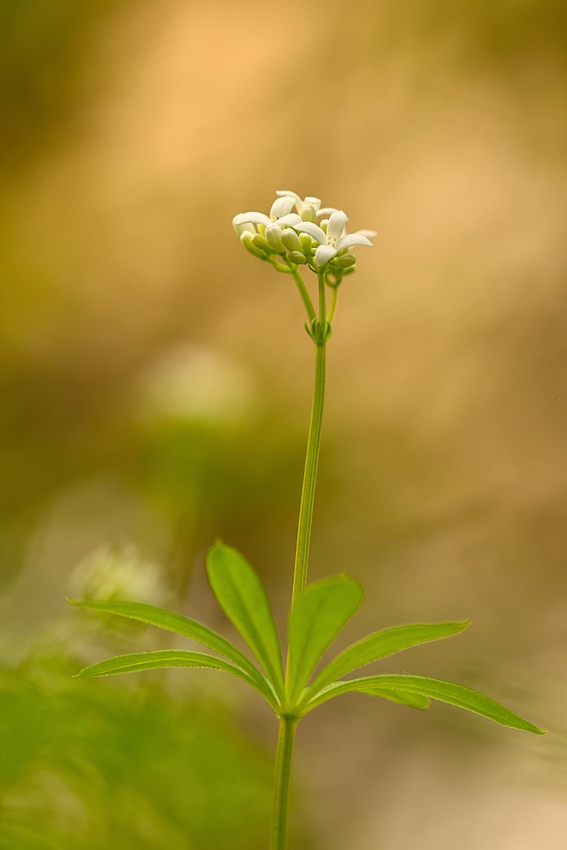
[322, 300]
[288, 725]
[310, 476]
[284, 758]
[303, 291]
[333, 307]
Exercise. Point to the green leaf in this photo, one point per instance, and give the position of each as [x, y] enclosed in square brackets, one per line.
[380, 644]
[436, 689]
[362, 686]
[316, 618]
[180, 625]
[242, 598]
[138, 661]
[407, 698]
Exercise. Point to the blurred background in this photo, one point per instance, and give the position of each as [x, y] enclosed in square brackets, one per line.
[156, 384]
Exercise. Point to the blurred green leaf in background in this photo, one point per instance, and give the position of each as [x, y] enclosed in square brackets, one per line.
[91, 767]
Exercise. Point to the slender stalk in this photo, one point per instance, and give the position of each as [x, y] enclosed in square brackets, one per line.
[284, 758]
[333, 307]
[303, 291]
[311, 461]
[288, 725]
[322, 300]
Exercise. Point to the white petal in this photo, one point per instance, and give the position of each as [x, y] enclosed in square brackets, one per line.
[323, 254]
[282, 206]
[353, 239]
[313, 202]
[313, 230]
[327, 210]
[335, 227]
[250, 218]
[283, 192]
[244, 228]
[370, 234]
[289, 220]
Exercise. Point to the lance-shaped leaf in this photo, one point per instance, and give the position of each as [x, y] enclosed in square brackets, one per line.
[381, 644]
[362, 686]
[316, 619]
[137, 661]
[436, 689]
[402, 698]
[184, 626]
[242, 598]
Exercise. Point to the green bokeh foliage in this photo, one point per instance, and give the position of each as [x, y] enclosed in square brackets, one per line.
[87, 766]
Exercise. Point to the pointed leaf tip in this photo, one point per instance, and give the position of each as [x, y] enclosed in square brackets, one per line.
[413, 689]
[162, 659]
[241, 596]
[180, 625]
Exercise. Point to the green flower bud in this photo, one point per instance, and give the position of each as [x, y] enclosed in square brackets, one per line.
[306, 244]
[350, 270]
[308, 213]
[246, 239]
[291, 240]
[345, 261]
[273, 235]
[297, 257]
[261, 242]
[323, 224]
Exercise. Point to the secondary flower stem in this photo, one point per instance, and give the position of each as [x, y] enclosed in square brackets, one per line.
[333, 306]
[322, 301]
[310, 476]
[284, 758]
[303, 292]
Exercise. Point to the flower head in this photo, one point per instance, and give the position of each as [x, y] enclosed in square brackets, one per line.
[333, 239]
[288, 239]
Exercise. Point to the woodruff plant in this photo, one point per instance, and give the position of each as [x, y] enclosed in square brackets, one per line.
[290, 240]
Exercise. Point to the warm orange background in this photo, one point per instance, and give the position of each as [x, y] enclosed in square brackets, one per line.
[156, 378]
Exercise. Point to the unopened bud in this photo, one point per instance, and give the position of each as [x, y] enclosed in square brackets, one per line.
[246, 240]
[345, 261]
[350, 270]
[291, 240]
[305, 240]
[323, 224]
[308, 213]
[261, 242]
[273, 235]
[298, 258]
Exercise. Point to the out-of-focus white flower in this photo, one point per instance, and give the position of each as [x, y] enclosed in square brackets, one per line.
[119, 573]
[334, 238]
[196, 383]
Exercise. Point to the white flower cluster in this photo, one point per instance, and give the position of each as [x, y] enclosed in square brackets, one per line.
[295, 238]
[119, 573]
